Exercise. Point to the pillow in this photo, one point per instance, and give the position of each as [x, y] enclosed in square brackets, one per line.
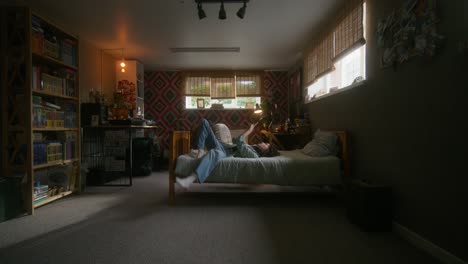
[222, 133]
[323, 144]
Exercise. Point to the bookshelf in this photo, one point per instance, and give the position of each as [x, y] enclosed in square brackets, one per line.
[40, 107]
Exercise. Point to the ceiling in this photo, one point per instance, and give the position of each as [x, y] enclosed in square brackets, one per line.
[271, 36]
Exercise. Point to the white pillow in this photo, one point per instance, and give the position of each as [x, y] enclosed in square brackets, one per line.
[323, 144]
[223, 133]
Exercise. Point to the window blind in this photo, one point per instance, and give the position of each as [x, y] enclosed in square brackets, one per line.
[248, 84]
[197, 85]
[222, 86]
[345, 34]
[349, 33]
[325, 55]
[310, 67]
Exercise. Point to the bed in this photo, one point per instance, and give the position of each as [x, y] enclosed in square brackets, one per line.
[291, 168]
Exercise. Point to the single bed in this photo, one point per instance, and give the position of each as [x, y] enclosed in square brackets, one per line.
[291, 168]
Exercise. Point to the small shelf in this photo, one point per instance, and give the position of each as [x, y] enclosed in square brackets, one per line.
[55, 95]
[54, 163]
[55, 61]
[53, 129]
[52, 198]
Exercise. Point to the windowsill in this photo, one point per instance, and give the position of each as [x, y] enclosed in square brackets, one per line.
[349, 87]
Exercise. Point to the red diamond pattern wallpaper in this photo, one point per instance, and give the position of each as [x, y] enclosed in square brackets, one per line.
[165, 105]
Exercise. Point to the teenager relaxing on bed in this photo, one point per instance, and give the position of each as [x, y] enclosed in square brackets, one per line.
[218, 151]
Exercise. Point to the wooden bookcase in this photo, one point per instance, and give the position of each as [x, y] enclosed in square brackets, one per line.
[40, 106]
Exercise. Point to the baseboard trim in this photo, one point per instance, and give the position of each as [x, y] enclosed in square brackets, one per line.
[418, 241]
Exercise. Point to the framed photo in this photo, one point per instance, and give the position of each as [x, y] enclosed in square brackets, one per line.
[95, 120]
[200, 103]
[249, 105]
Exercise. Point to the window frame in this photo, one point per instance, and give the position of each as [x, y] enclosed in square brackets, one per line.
[338, 69]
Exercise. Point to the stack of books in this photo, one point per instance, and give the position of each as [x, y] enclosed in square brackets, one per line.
[40, 193]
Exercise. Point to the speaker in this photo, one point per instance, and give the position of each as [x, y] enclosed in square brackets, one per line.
[369, 206]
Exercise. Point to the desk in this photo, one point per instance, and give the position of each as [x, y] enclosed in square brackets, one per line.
[107, 151]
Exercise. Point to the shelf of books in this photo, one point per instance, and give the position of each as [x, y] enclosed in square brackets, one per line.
[40, 96]
[43, 200]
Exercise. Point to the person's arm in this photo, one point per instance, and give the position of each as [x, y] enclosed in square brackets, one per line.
[249, 130]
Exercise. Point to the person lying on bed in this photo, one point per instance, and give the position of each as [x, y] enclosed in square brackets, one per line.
[218, 151]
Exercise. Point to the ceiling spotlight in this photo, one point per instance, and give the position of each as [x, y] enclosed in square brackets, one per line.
[222, 12]
[201, 12]
[241, 12]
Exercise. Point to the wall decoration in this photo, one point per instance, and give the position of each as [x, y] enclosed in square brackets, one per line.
[408, 32]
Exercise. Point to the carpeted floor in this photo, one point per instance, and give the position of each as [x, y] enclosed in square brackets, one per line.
[210, 224]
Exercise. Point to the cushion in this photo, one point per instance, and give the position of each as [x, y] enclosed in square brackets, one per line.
[222, 133]
[323, 144]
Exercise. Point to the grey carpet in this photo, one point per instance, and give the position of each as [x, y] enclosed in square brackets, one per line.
[210, 224]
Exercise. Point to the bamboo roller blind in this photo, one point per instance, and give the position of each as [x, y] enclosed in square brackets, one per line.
[342, 36]
[223, 85]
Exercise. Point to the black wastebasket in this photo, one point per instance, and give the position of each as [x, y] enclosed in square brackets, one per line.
[369, 206]
[142, 156]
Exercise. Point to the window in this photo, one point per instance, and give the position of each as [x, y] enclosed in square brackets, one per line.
[232, 90]
[337, 58]
[348, 70]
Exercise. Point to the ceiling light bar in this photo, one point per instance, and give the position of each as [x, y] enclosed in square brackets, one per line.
[205, 49]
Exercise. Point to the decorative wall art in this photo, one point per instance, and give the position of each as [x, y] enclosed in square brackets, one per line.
[408, 32]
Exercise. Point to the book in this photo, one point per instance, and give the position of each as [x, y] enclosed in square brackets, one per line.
[51, 105]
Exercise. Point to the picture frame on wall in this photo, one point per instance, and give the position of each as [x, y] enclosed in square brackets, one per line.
[200, 103]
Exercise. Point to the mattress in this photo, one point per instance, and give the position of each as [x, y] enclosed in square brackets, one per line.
[291, 168]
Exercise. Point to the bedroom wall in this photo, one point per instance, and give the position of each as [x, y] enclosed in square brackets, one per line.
[406, 129]
[165, 104]
[97, 71]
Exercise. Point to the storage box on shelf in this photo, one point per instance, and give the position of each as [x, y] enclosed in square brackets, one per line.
[40, 97]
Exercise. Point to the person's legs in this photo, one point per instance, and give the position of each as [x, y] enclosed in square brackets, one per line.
[208, 163]
[206, 137]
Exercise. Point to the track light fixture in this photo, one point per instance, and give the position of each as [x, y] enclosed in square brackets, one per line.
[222, 12]
[241, 12]
[201, 12]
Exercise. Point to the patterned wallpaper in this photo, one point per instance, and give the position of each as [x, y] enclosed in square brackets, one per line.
[165, 104]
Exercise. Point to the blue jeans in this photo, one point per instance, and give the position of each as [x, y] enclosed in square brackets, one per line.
[216, 151]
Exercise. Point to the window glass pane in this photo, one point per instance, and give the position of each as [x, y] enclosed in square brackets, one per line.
[236, 103]
[191, 102]
[351, 67]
